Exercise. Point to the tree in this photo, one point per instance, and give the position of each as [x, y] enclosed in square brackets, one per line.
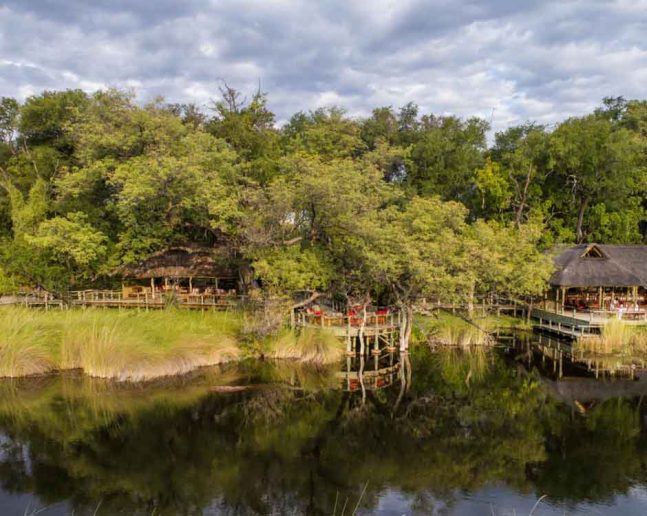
[326, 133]
[249, 128]
[73, 242]
[445, 156]
[411, 249]
[596, 162]
[522, 153]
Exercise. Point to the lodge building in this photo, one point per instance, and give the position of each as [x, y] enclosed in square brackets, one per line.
[600, 278]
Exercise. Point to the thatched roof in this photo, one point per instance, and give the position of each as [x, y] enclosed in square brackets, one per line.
[598, 265]
[181, 262]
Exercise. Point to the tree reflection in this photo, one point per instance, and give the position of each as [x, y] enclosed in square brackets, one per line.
[458, 420]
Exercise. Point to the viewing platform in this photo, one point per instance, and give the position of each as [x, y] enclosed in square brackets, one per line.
[380, 330]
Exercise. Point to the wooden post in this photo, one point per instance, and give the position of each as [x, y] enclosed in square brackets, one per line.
[600, 299]
[563, 298]
[377, 333]
[349, 342]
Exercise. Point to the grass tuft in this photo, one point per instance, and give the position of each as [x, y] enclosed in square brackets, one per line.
[122, 346]
[617, 337]
[312, 346]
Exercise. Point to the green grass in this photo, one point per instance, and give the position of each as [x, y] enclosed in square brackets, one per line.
[450, 330]
[139, 346]
[317, 347]
[118, 345]
[617, 337]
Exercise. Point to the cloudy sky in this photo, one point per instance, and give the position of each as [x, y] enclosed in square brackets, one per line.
[508, 61]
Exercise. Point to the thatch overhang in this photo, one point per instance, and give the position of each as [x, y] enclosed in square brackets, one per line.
[599, 265]
[182, 262]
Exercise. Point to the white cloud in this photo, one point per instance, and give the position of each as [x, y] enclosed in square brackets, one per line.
[504, 60]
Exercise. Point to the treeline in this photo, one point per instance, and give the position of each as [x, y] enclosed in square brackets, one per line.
[396, 205]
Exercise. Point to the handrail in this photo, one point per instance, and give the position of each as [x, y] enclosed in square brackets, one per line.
[327, 320]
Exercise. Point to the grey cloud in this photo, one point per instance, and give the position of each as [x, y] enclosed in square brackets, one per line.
[506, 60]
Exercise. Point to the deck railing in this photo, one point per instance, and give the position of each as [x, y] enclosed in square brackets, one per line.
[324, 320]
[147, 299]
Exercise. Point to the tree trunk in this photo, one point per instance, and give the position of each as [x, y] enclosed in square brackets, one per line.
[522, 201]
[529, 310]
[406, 327]
[579, 234]
[470, 302]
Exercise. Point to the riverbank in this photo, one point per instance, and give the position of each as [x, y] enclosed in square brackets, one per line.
[140, 346]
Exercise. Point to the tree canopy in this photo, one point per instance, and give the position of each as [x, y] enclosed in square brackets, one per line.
[393, 207]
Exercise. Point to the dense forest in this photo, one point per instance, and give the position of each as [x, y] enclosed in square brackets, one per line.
[399, 204]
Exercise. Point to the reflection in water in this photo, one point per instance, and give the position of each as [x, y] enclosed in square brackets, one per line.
[432, 432]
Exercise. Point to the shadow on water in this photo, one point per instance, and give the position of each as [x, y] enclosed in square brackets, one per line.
[481, 430]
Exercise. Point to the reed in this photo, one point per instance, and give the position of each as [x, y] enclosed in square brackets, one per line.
[26, 348]
[310, 346]
[617, 337]
[122, 346]
[450, 330]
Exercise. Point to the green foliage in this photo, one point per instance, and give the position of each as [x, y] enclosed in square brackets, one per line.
[71, 240]
[598, 161]
[291, 269]
[388, 208]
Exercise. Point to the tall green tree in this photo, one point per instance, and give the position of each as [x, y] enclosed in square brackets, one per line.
[593, 161]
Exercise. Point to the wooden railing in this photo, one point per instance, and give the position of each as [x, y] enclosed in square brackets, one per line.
[147, 299]
[327, 320]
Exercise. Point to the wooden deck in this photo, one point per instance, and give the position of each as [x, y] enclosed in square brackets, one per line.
[380, 331]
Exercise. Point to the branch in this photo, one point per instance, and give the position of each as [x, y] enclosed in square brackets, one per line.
[313, 297]
[291, 241]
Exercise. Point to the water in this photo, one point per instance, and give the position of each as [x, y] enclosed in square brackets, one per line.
[481, 432]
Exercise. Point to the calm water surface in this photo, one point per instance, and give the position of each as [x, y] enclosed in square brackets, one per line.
[450, 432]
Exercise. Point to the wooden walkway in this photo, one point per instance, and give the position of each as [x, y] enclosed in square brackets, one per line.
[574, 325]
[115, 299]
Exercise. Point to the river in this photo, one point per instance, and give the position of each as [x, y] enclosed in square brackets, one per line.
[493, 431]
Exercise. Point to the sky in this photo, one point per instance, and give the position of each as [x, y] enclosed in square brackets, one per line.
[508, 61]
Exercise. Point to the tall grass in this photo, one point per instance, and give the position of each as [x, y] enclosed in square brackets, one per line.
[450, 330]
[107, 344]
[617, 337]
[27, 346]
[310, 346]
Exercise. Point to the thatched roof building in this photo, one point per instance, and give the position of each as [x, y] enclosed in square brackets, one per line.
[598, 265]
[182, 262]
